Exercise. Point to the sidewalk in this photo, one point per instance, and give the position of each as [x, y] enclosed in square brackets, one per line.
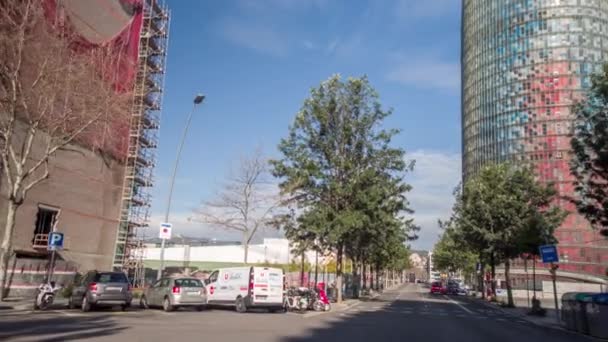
[27, 304]
[521, 310]
[347, 304]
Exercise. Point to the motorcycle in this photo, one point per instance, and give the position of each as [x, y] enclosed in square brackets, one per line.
[45, 295]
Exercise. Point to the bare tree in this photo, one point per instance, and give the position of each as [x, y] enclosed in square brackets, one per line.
[246, 203]
[53, 93]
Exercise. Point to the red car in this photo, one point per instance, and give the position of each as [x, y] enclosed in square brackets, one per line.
[437, 287]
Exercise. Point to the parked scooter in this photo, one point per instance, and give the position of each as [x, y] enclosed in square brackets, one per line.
[46, 295]
[297, 299]
[321, 302]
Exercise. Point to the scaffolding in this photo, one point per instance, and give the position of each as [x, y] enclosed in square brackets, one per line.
[143, 137]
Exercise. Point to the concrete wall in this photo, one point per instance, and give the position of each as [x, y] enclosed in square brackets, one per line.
[271, 250]
[26, 274]
[87, 190]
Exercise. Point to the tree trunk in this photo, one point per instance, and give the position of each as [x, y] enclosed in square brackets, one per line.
[508, 280]
[371, 277]
[364, 274]
[377, 277]
[481, 279]
[302, 270]
[7, 247]
[245, 248]
[339, 266]
[493, 280]
[356, 279]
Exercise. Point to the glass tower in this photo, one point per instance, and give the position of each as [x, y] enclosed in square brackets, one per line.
[524, 64]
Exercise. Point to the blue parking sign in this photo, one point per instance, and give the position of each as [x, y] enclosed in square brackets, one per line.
[548, 253]
[55, 241]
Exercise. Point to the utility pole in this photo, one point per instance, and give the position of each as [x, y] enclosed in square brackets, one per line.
[198, 99]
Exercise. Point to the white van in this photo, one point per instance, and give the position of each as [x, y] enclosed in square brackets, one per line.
[247, 287]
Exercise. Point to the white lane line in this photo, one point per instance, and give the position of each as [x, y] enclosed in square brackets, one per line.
[459, 305]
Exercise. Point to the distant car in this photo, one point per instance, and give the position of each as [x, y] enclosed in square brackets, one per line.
[98, 288]
[463, 291]
[452, 289]
[438, 288]
[173, 293]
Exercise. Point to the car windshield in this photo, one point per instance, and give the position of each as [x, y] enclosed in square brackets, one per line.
[436, 284]
[188, 283]
[111, 278]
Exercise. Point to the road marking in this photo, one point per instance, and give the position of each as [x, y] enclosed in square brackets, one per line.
[459, 305]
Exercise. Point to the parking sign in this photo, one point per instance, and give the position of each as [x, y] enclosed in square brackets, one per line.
[55, 241]
[549, 253]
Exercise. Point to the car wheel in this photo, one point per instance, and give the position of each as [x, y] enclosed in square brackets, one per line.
[86, 306]
[200, 308]
[143, 303]
[240, 305]
[167, 305]
[124, 307]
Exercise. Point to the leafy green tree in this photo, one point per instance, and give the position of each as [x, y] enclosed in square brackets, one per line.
[502, 202]
[340, 170]
[450, 256]
[589, 163]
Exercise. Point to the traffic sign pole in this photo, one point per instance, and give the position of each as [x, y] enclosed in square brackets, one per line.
[55, 243]
[553, 278]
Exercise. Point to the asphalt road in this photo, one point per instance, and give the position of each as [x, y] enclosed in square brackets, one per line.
[406, 314]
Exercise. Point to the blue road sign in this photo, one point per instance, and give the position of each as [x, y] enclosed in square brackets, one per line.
[549, 253]
[55, 241]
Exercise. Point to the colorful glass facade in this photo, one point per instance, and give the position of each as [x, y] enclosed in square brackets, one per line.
[524, 63]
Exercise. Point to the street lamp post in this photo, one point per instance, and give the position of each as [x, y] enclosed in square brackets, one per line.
[198, 99]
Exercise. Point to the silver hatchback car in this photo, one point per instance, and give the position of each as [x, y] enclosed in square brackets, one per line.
[173, 293]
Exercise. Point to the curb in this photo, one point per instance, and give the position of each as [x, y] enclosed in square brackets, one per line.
[526, 318]
[346, 306]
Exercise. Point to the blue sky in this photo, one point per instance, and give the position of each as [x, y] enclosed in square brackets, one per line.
[257, 60]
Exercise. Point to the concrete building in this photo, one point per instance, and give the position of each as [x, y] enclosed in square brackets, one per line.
[98, 199]
[271, 250]
[524, 63]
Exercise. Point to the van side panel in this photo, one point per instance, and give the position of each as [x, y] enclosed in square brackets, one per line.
[267, 287]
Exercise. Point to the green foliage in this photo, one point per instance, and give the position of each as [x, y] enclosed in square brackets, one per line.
[589, 164]
[449, 256]
[502, 213]
[344, 178]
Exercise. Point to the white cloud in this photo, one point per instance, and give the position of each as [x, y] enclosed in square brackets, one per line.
[434, 178]
[426, 74]
[183, 225]
[255, 37]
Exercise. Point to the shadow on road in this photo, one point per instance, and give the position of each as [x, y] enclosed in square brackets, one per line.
[59, 328]
[426, 319]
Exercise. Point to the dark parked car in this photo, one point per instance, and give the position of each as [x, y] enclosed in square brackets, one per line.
[452, 289]
[98, 288]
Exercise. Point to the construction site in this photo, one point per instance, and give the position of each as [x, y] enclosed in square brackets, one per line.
[100, 200]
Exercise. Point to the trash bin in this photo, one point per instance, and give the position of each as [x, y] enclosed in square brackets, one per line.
[580, 311]
[597, 315]
[568, 307]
